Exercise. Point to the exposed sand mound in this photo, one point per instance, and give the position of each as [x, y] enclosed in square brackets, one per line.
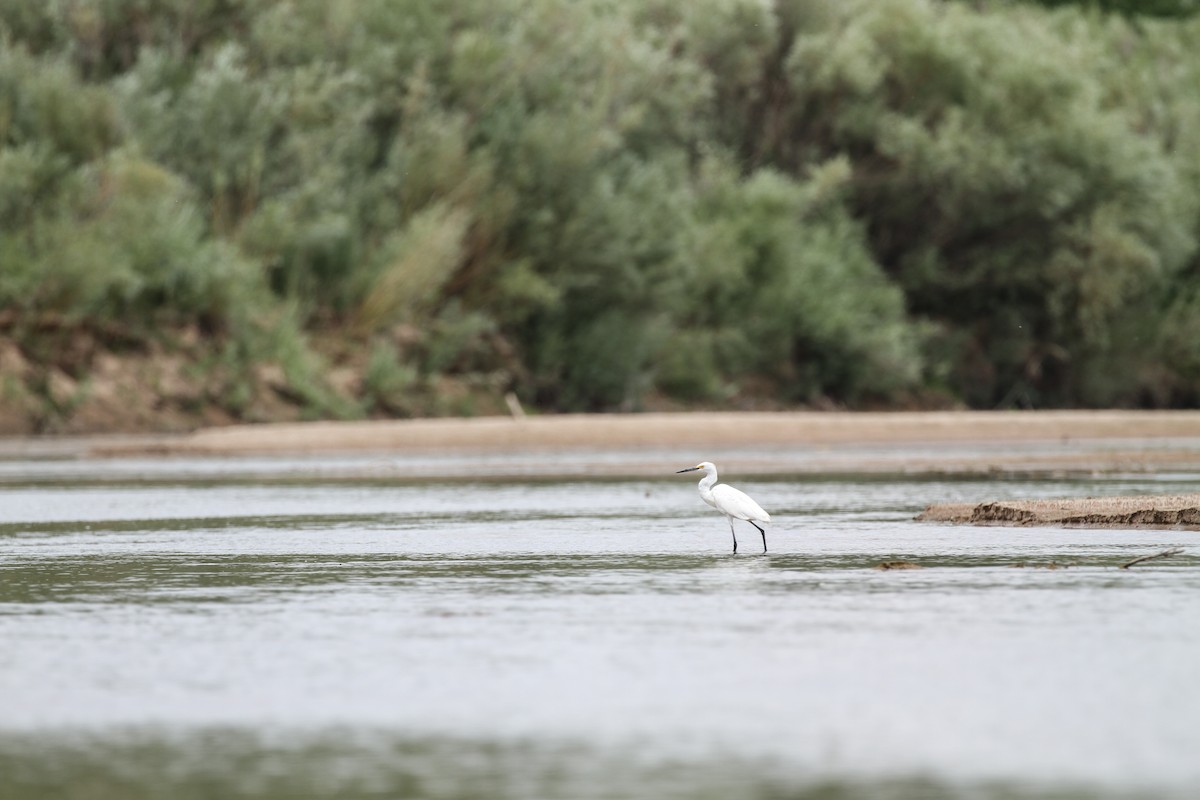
[1154, 511]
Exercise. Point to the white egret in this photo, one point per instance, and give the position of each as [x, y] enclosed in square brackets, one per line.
[729, 501]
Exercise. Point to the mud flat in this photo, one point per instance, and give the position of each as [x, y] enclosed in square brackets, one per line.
[1051, 444]
[1151, 511]
[639, 445]
[686, 430]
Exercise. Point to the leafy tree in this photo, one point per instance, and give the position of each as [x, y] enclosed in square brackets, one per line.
[1148, 8]
[602, 203]
[1015, 208]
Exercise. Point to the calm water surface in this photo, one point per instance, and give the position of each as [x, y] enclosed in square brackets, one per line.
[285, 635]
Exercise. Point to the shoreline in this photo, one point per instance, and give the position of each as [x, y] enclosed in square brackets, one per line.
[636, 445]
[660, 430]
[804, 444]
[1177, 512]
[805, 441]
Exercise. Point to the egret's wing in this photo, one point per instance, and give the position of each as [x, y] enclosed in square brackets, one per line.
[729, 500]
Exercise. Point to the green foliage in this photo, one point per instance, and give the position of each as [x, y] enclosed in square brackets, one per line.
[103, 38]
[457, 341]
[126, 244]
[1148, 8]
[782, 285]
[43, 105]
[418, 261]
[1003, 192]
[388, 383]
[594, 203]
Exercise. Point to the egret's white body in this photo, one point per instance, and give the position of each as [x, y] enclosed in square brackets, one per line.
[729, 501]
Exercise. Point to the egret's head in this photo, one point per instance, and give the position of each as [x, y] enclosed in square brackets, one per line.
[704, 465]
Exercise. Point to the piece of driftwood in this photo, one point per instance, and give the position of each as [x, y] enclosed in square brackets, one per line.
[1174, 551]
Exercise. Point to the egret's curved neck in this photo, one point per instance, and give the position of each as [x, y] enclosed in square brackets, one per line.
[708, 481]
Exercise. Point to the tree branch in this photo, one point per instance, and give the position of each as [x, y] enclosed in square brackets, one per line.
[1172, 552]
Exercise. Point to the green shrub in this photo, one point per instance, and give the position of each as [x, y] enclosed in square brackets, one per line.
[784, 265]
[388, 382]
[1003, 194]
[128, 244]
[44, 105]
[597, 201]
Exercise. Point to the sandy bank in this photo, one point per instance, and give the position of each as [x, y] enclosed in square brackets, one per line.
[632, 431]
[636, 445]
[654, 445]
[1155, 511]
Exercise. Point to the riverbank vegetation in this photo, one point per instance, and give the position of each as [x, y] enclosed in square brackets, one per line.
[225, 209]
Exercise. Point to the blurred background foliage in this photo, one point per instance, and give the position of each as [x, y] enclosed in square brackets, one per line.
[401, 207]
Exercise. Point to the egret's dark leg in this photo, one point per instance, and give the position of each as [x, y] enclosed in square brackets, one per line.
[764, 534]
[734, 535]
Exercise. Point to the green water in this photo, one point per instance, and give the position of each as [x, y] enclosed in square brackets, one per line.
[183, 633]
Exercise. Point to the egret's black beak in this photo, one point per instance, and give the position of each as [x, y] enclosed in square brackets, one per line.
[689, 469]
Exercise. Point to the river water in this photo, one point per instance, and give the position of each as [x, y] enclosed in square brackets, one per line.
[276, 628]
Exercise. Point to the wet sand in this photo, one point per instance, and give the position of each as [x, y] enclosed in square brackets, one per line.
[801, 443]
[677, 431]
[1151, 511]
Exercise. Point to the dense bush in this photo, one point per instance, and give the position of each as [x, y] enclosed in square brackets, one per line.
[1152, 8]
[599, 203]
[1007, 197]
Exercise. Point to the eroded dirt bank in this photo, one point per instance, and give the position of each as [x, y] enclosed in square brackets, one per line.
[1152, 511]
